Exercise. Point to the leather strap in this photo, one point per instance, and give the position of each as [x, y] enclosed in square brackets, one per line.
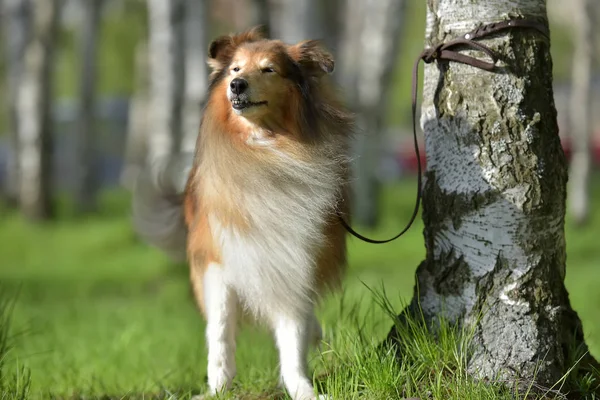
[449, 51]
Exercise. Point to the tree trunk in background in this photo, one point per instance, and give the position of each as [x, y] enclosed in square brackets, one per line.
[196, 71]
[370, 41]
[167, 75]
[87, 185]
[348, 52]
[138, 126]
[34, 108]
[17, 24]
[494, 198]
[580, 110]
[262, 15]
[295, 20]
[333, 23]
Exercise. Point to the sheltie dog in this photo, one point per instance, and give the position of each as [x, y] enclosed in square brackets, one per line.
[259, 216]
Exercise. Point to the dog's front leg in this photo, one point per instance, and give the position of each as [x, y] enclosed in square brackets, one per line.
[221, 320]
[292, 336]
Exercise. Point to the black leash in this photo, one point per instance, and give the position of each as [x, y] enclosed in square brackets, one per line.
[448, 52]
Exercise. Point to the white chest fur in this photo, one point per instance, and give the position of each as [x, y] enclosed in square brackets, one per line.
[271, 266]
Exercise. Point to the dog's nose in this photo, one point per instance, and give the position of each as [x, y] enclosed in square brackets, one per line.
[238, 85]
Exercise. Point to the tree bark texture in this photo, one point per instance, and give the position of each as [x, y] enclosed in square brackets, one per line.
[34, 119]
[196, 71]
[167, 75]
[369, 44]
[580, 110]
[494, 197]
[87, 184]
[17, 25]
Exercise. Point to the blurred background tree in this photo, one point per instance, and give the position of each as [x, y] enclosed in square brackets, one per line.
[581, 106]
[370, 34]
[34, 106]
[16, 21]
[167, 75]
[86, 119]
[142, 82]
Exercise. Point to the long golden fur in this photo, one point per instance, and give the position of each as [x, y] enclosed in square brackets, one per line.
[261, 204]
[303, 121]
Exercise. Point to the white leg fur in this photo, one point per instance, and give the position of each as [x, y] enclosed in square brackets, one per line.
[221, 319]
[293, 337]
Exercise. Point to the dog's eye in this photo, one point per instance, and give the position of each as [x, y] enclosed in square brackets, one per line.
[268, 70]
[236, 69]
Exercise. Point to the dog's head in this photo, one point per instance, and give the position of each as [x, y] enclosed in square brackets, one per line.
[262, 77]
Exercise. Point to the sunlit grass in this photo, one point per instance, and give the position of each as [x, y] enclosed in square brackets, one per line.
[14, 376]
[104, 314]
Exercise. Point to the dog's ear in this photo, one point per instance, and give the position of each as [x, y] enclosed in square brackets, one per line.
[312, 57]
[221, 49]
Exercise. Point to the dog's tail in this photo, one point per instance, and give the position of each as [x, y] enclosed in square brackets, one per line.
[157, 204]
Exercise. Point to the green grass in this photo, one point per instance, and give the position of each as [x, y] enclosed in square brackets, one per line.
[105, 315]
[14, 377]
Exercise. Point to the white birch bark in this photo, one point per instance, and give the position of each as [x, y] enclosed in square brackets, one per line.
[349, 52]
[34, 119]
[87, 185]
[17, 24]
[196, 71]
[167, 76]
[580, 110]
[494, 197]
[138, 124]
[368, 54]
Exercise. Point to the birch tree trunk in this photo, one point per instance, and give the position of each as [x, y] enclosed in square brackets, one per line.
[334, 22]
[580, 110]
[262, 15]
[370, 43]
[87, 185]
[494, 198]
[138, 125]
[297, 20]
[196, 72]
[17, 25]
[34, 119]
[167, 75]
